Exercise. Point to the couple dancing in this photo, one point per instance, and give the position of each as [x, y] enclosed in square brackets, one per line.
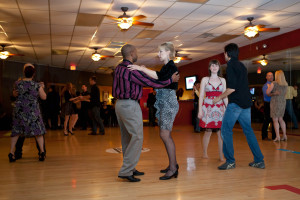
[128, 85]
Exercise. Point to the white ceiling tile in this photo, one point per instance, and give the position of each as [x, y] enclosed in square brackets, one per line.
[230, 14]
[101, 42]
[227, 28]
[154, 8]
[38, 29]
[167, 36]
[129, 34]
[275, 17]
[289, 22]
[35, 16]
[20, 39]
[42, 51]
[183, 25]
[33, 4]
[180, 10]
[8, 4]
[10, 15]
[41, 40]
[278, 4]
[138, 42]
[63, 18]
[95, 6]
[60, 40]
[61, 30]
[293, 8]
[205, 27]
[251, 4]
[65, 5]
[84, 31]
[45, 60]
[222, 3]
[163, 23]
[14, 27]
[205, 12]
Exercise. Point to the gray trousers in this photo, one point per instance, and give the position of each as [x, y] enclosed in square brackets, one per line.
[130, 119]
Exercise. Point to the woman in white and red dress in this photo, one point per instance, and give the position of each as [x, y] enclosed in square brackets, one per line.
[210, 114]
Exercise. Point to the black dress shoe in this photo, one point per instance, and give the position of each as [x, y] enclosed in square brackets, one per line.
[130, 178]
[175, 174]
[267, 139]
[137, 173]
[102, 133]
[11, 157]
[92, 133]
[167, 169]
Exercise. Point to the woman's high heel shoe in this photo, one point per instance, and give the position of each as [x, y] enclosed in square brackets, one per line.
[42, 156]
[276, 140]
[66, 133]
[175, 174]
[284, 139]
[71, 132]
[11, 157]
[167, 169]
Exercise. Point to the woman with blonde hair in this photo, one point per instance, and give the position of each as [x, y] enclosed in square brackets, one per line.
[277, 104]
[166, 104]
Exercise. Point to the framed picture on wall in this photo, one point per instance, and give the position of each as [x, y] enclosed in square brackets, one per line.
[105, 96]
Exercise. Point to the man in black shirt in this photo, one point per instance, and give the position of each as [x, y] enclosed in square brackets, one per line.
[238, 109]
[83, 115]
[94, 98]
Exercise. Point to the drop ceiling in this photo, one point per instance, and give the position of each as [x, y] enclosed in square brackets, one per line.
[198, 28]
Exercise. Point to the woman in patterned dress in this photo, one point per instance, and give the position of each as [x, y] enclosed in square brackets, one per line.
[27, 119]
[210, 114]
[277, 104]
[166, 104]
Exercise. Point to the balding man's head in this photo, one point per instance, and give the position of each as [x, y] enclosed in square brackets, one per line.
[129, 53]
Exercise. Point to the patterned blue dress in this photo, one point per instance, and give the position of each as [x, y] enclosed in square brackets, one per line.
[27, 119]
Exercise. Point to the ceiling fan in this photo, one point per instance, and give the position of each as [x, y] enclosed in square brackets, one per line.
[125, 21]
[179, 58]
[263, 61]
[5, 54]
[252, 31]
[97, 56]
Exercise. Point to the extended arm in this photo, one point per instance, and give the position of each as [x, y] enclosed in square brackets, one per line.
[149, 72]
[42, 93]
[224, 89]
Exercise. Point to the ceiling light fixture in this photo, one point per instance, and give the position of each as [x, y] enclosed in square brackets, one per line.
[125, 23]
[250, 30]
[4, 54]
[263, 61]
[177, 59]
[96, 56]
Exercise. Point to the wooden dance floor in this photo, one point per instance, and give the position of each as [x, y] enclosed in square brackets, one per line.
[79, 167]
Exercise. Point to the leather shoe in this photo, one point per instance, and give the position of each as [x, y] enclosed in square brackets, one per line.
[102, 133]
[137, 173]
[130, 178]
[92, 133]
[267, 139]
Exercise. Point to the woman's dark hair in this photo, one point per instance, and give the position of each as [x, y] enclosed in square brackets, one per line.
[232, 50]
[29, 71]
[94, 78]
[216, 62]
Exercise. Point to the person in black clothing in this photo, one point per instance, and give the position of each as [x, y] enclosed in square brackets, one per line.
[53, 101]
[196, 120]
[84, 114]
[94, 98]
[152, 110]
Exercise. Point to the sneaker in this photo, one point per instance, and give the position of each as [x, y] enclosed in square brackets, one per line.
[260, 165]
[227, 165]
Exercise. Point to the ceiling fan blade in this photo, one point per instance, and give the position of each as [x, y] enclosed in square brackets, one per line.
[256, 62]
[114, 18]
[260, 26]
[16, 54]
[138, 17]
[105, 56]
[143, 24]
[269, 29]
[185, 58]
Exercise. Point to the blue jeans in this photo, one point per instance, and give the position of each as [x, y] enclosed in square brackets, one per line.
[290, 110]
[232, 114]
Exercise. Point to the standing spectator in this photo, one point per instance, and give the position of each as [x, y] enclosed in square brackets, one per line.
[53, 101]
[84, 114]
[291, 93]
[94, 98]
[152, 110]
[238, 109]
[211, 114]
[277, 104]
[68, 109]
[267, 117]
[196, 92]
[26, 107]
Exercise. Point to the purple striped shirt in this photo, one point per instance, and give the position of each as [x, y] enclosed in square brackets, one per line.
[129, 84]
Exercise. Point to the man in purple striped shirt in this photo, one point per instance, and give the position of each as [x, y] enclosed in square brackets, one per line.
[128, 89]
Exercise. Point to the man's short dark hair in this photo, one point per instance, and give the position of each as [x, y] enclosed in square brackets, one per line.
[94, 78]
[232, 50]
[126, 50]
[29, 71]
[196, 82]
